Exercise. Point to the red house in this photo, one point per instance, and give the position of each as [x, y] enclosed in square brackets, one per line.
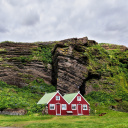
[73, 104]
[55, 102]
[77, 104]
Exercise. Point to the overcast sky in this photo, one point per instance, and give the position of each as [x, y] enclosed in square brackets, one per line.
[105, 21]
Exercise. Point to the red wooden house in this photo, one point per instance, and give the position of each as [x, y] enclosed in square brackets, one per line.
[73, 104]
[55, 102]
[77, 104]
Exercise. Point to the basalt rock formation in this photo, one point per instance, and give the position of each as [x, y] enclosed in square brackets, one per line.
[71, 65]
[15, 66]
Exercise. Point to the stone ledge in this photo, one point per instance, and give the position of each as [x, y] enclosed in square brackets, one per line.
[13, 112]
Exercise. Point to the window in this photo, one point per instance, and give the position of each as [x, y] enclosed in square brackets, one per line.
[64, 107]
[84, 107]
[73, 106]
[52, 106]
[57, 97]
[78, 98]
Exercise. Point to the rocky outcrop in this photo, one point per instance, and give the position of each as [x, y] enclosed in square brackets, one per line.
[67, 72]
[45, 110]
[69, 65]
[13, 112]
[17, 69]
[72, 69]
[112, 47]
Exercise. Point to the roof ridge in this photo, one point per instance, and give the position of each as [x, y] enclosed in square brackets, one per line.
[70, 93]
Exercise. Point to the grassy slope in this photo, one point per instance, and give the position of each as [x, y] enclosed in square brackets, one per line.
[109, 69]
[27, 97]
[112, 119]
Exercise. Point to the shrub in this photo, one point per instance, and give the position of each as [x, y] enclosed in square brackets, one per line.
[42, 54]
[123, 106]
[100, 96]
[27, 97]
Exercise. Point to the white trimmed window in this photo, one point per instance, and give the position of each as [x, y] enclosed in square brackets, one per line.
[64, 107]
[78, 98]
[84, 107]
[57, 97]
[52, 106]
[73, 106]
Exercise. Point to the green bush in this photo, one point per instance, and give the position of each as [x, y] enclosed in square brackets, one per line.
[37, 108]
[100, 96]
[26, 97]
[123, 106]
[42, 54]
[39, 86]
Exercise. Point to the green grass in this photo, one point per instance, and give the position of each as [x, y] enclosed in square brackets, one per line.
[112, 119]
[26, 97]
[110, 66]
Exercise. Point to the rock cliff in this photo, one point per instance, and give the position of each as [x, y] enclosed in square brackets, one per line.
[71, 65]
[15, 66]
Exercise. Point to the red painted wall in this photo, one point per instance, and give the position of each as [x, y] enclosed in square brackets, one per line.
[58, 103]
[78, 103]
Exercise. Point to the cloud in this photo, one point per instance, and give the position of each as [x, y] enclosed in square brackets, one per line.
[3, 29]
[30, 18]
[34, 20]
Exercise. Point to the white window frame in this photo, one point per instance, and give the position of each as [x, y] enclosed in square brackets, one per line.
[73, 105]
[86, 107]
[78, 98]
[65, 107]
[58, 98]
[52, 105]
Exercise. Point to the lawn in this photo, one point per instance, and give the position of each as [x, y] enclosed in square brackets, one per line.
[112, 119]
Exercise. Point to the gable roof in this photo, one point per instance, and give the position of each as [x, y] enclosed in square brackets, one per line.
[69, 97]
[46, 98]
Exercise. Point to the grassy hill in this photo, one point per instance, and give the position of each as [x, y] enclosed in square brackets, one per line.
[109, 66]
[106, 79]
[27, 97]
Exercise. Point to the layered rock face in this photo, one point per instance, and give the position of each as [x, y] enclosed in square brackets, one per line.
[15, 67]
[69, 65]
[67, 72]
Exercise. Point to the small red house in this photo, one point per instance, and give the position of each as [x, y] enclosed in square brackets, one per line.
[55, 102]
[77, 104]
[73, 104]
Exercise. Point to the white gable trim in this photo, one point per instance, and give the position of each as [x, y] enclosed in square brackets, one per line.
[81, 96]
[54, 95]
[51, 98]
[73, 99]
[62, 97]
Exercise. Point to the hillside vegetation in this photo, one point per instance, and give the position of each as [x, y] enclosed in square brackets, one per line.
[27, 97]
[104, 82]
[109, 68]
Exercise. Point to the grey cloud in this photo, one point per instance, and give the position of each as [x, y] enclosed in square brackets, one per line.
[3, 29]
[17, 3]
[103, 21]
[31, 18]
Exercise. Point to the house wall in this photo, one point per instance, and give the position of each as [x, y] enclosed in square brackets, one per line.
[82, 102]
[60, 102]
